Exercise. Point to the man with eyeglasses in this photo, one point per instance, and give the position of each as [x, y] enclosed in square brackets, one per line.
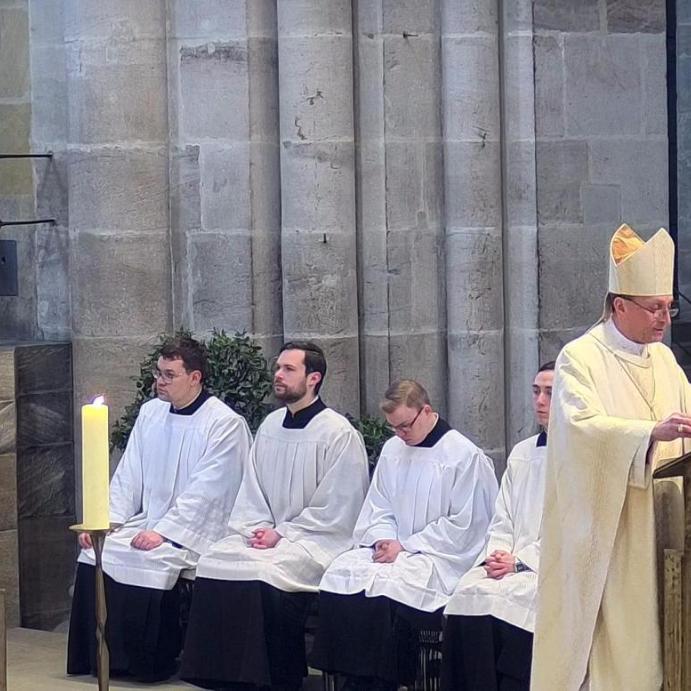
[620, 407]
[173, 492]
[303, 486]
[422, 526]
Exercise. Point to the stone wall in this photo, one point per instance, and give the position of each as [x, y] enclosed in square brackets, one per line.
[426, 187]
[601, 132]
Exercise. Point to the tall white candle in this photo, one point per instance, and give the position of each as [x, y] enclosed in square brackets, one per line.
[95, 466]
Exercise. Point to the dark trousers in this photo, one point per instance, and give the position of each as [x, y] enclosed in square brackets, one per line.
[485, 654]
[372, 640]
[245, 635]
[142, 628]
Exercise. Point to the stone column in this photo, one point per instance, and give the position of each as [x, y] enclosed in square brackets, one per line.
[520, 218]
[118, 191]
[317, 187]
[474, 266]
[225, 189]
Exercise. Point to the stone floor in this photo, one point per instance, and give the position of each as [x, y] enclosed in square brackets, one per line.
[36, 662]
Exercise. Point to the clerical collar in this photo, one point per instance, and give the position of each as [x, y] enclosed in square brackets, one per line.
[193, 407]
[542, 439]
[622, 342]
[302, 418]
[437, 432]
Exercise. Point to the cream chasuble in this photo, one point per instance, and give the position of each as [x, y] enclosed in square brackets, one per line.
[437, 502]
[597, 611]
[515, 528]
[179, 476]
[309, 484]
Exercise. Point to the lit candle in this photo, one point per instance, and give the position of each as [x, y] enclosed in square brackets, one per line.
[95, 466]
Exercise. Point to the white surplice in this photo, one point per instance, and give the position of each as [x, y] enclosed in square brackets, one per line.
[437, 502]
[597, 612]
[515, 528]
[179, 476]
[308, 484]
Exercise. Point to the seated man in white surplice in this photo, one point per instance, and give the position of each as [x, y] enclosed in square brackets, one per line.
[173, 492]
[488, 635]
[422, 526]
[303, 487]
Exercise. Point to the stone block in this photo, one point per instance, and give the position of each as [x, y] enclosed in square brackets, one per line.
[683, 40]
[118, 189]
[14, 53]
[262, 56]
[221, 267]
[314, 17]
[521, 306]
[601, 204]
[549, 86]
[567, 15]
[641, 171]
[208, 19]
[54, 319]
[44, 418]
[473, 184]
[47, 22]
[124, 20]
[603, 85]
[45, 592]
[15, 174]
[185, 189]
[562, 166]
[44, 367]
[49, 113]
[369, 63]
[475, 386]
[421, 356]
[120, 284]
[265, 183]
[319, 284]
[519, 99]
[371, 184]
[51, 188]
[474, 290]
[518, 16]
[412, 16]
[316, 88]
[214, 91]
[7, 373]
[572, 258]
[225, 187]
[472, 16]
[9, 574]
[267, 286]
[412, 87]
[318, 190]
[45, 480]
[632, 16]
[471, 88]
[683, 84]
[8, 491]
[520, 183]
[521, 348]
[415, 266]
[262, 19]
[374, 370]
[654, 65]
[127, 91]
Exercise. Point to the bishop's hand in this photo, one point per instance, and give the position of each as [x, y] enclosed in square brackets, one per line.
[676, 426]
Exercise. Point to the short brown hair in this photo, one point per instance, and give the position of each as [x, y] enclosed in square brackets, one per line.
[405, 392]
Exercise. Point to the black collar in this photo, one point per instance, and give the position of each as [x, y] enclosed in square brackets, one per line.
[303, 417]
[193, 407]
[542, 439]
[438, 431]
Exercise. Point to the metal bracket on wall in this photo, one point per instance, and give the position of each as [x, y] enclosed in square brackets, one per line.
[48, 154]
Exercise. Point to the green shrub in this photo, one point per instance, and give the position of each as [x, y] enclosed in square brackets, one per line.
[238, 375]
[375, 432]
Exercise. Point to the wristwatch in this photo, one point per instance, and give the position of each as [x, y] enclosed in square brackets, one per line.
[520, 566]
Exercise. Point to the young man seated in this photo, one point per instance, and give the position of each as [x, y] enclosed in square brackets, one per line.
[491, 616]
[422, 526]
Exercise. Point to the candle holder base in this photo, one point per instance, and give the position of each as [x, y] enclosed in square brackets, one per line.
[98, 538]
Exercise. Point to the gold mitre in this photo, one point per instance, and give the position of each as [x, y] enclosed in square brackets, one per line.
[641, 268]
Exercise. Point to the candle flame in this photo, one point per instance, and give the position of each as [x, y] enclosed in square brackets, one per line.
[99, 400]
